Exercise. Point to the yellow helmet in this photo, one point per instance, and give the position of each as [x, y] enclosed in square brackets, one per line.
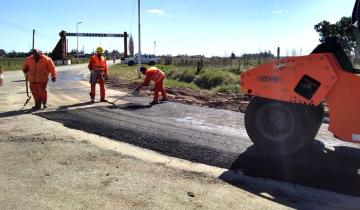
[99, 50]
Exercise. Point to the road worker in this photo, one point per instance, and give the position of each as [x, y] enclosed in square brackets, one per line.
[99, 73]
[156, 75]
[37, 68]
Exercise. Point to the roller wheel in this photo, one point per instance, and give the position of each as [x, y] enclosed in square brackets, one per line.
[318, 115]
[281, 128]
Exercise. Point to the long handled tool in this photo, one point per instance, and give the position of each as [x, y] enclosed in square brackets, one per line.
[27, 92]
[128, 94]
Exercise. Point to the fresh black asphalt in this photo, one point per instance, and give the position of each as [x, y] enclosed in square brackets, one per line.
[214, 137]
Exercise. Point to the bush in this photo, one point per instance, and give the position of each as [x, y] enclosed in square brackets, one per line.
[164, 68]
[211, 79]
[183, 75]
[233, 69]
[228, 88]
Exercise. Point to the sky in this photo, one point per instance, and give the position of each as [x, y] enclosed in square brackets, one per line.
[171, 27]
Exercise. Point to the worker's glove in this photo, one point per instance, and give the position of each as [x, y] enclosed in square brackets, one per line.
[106, 77]
[53, 79]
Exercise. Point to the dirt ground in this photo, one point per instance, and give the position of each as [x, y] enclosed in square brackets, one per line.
[234, 102]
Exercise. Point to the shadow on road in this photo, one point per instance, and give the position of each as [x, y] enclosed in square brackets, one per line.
[74, 105]
[316, 166]
[16, 113]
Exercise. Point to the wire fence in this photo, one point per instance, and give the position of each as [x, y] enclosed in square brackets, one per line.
[214, 62]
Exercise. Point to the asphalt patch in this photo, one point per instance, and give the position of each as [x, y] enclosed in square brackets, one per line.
[131, 106]
[315, 166]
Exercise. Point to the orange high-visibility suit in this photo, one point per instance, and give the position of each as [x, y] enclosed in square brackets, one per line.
[156, 75]
[99, 73]
[37, 73]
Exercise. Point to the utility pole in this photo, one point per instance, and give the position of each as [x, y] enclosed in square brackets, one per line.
[155, 48]
[139, 37]
[77, 41]
[33, 41]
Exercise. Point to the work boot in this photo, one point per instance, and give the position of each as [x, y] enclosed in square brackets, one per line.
[92, 98]
[36, 107]
[44, 105]
[103, 100]
[153, 103]
[163, 99]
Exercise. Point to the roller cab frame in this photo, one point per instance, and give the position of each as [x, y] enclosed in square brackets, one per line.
[288, 95]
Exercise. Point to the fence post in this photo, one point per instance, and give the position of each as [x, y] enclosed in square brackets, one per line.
[199, 66]
[1, 76]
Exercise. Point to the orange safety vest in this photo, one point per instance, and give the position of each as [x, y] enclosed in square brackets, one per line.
[154, 74]
[39, 71]
[97, 64]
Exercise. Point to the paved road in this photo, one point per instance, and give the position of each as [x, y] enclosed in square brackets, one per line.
[205, 135]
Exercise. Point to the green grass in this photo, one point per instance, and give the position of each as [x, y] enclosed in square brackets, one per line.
[175, 83]
[227, 88]
[182, 74]
[124, 72]
[209, 79]
[216, 80]
[12, 64]
[79, 61]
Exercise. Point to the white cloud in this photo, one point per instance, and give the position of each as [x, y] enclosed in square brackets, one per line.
[157, 12]
[279, 12]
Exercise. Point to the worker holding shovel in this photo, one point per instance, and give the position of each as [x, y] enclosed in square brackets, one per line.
[98, 74]
[37, 68]
[156, 75]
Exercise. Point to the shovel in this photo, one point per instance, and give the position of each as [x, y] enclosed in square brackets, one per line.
[128, 94]
[27, 92]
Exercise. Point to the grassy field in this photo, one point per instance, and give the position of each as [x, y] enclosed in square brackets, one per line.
[211, 79]
[11, 64]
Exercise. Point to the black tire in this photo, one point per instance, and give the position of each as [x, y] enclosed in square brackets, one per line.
[281, 128]
[151, 63]
[318, 116]
[131, 63]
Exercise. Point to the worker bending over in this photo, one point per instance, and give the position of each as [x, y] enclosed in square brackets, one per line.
[99, 73]
[37, 68]
[156, 75]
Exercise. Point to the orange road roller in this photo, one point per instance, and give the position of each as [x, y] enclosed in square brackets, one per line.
[288, 96]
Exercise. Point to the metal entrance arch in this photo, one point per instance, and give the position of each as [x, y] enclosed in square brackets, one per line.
[60, 50]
